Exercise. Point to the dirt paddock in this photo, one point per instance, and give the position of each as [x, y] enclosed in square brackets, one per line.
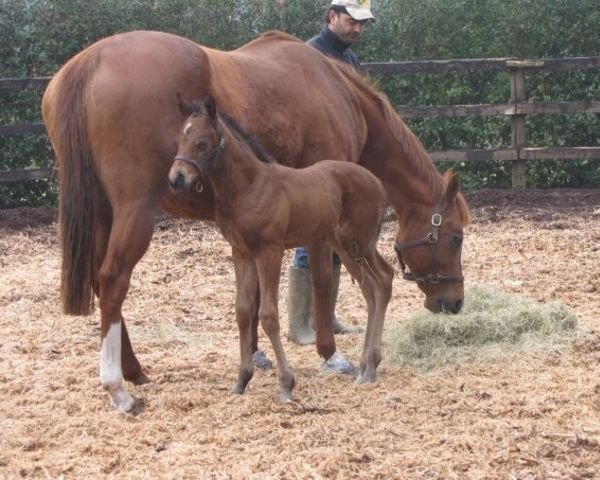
[535, 415]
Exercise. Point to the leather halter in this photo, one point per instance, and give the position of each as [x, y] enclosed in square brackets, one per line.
[207, 157]
[430, 239]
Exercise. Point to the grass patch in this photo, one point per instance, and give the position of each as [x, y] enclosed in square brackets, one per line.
[490, 323]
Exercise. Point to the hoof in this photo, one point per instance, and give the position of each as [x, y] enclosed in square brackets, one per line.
[366, 377]
[123, 403]
[261, 361]
[140, 379]
[287, 383]
[286, 398]
[238, 389]
[337, 363]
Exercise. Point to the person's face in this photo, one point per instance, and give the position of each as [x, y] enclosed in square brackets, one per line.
[345, 27]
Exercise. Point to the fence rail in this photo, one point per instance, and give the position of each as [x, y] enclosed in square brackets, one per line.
[517, 108]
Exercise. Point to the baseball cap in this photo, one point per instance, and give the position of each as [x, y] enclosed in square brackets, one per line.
[357, 9]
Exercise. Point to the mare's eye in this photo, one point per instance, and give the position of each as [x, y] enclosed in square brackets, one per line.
[201, 144]
[456, 241]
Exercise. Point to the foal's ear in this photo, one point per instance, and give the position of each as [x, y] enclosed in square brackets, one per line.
[211, 107]
[453, 186]
[185, 107]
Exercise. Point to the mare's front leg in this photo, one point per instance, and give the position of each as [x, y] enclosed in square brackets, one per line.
[128, 241]
[321, 270]
[246, 280]
[268, 264]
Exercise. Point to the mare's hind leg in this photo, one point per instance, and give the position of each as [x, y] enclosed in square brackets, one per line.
[129, 239]
[268, 265]
[132, 370]
[246, 308]
[374, 275]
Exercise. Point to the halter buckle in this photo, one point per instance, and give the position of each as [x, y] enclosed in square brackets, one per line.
[436, 219]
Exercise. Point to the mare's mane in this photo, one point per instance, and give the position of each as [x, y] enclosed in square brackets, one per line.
[418, 159]
[412, 148]
[277, 35]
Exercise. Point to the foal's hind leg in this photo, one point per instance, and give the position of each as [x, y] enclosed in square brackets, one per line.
[374, 275]
[129, 239]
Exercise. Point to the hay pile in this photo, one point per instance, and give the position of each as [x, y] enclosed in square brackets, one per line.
[491, 323]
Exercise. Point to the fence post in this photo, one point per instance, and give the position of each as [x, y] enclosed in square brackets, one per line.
[518, 133]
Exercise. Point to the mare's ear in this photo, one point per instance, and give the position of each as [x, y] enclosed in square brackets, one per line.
[185, 107]
[453, 186]
[211, 107]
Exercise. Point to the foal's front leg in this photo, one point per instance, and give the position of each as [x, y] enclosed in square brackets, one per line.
[260, 358]
[246, 280]
[268, 264]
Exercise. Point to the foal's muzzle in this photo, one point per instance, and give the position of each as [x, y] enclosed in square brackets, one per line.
[177, 182]
[180, 181]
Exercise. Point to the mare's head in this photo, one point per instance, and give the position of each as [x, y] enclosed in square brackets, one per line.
[433, 249]
[199, 144]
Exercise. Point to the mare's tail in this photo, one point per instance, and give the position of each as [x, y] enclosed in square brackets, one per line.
[65, 115]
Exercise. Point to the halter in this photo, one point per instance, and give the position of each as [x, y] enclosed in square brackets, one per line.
[207, 157]
[430, 239]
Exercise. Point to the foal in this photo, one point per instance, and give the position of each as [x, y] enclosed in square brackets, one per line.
[263, 208]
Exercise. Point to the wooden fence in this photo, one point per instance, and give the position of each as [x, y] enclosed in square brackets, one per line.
[517, 108]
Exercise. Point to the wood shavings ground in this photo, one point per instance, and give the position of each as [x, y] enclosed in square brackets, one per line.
[529, 416]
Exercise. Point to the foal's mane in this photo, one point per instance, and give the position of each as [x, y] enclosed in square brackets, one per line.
[414, 152]
[245, 137]
[259, 151]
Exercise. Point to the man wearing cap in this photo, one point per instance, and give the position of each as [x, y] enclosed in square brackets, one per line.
[344, 22]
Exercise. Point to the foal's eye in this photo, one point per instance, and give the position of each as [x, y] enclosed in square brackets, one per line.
[456, 241]
[201, 144]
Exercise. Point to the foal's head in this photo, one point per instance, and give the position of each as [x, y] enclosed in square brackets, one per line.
[200, 143]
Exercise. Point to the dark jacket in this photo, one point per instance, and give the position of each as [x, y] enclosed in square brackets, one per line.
[330, 44]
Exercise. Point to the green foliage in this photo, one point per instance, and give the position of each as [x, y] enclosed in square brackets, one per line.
[38, 36]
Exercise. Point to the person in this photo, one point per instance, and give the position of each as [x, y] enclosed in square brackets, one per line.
[345, 20]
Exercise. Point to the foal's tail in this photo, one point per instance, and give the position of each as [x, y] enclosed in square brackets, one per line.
[65, 114]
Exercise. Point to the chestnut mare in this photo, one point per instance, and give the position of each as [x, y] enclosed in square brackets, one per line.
[263, 208]
[113, 122]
